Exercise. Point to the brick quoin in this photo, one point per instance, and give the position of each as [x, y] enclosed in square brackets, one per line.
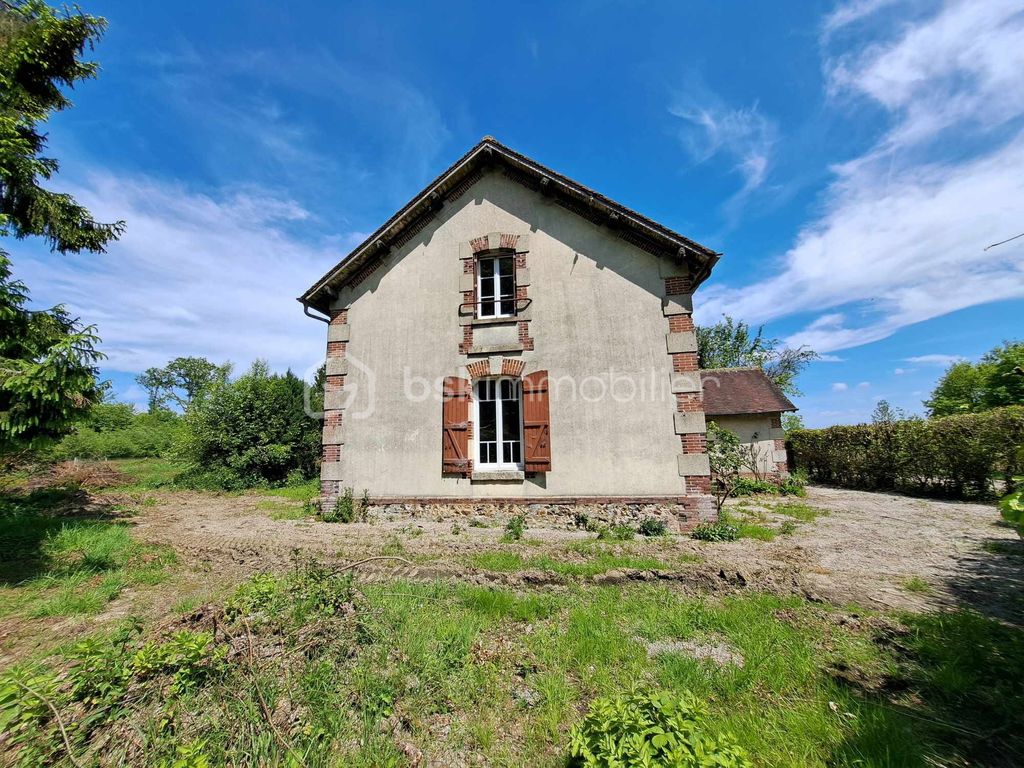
[332, 453]
[689, 402]
[684, 362]
[694, 443]
[339, 316]
[332, 418]
[675, 286]
[336, 348]
[777, 421]
[680, 323]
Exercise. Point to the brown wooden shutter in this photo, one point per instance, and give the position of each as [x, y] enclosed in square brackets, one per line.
[455, 426]
[537, 422]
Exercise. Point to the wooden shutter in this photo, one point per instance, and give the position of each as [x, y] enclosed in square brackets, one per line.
[536, 422]
[455, 426]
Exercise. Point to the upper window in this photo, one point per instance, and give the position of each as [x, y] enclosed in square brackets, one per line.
[496, 286]
[499, 417]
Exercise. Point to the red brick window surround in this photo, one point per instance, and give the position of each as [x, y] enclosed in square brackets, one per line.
[495, 286]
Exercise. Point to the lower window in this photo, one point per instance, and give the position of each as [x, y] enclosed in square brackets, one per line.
[499, 424]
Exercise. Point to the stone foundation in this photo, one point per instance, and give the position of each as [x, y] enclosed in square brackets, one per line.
[680, 514]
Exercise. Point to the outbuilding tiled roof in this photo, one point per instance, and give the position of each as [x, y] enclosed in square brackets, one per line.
[729, 391]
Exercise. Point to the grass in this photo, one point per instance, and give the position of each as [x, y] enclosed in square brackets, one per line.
[596, 563]
[147, 474]
[68, 563]
[917, 585]
[298, 492]
[282, 510]
[799, 511]
[498, 677]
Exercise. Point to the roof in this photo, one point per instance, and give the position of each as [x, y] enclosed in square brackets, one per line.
[454, 182]
[733, 391]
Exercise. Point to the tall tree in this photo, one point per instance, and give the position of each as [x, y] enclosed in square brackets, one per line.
[47, 359]
[181, 381]
[995, 380]
[732, 344]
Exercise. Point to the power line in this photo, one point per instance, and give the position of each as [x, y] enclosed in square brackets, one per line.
[1003, 241]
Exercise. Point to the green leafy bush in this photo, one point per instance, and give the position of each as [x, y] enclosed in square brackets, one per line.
[115, 431]
[652, 526]
[654, 730]
[1011, 507]
[250, 432]
[748, 486]
[515, 528]
[956, 456]
[717, 531]
[342, 511]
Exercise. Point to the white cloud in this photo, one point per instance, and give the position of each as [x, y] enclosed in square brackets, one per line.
[940, 360]
[901, 236]
[864, 385]
[839, 386]
[210, 275]
[900, 371]
[849, 13]
[711, 128]
[830, 359]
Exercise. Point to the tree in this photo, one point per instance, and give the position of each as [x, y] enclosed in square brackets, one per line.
[995, 381]
[47, 358]
[792, 422]
[886, 414]
[960, 390]
[181, 381]
[251, 431]
[726, 457]
[732, 344]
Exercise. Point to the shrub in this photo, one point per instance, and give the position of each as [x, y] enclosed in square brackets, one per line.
[515, 528]
[795, 484]
[117, 432]
[956, 456]
[651, 729]
[652, 526]
[342, 511]
[717, 531]
[250, 432]
[1011, 507]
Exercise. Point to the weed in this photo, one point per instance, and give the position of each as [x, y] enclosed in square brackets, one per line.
[616, 533]
[717, 531]
[456, 529]
[917, 585]
[515, 528]
[652, 526]
[651, 729]
[799, 511]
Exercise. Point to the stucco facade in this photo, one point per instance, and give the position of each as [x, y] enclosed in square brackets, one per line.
[608, 321]
[762, 434]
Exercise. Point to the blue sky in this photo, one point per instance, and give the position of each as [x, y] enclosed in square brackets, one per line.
[850, 159]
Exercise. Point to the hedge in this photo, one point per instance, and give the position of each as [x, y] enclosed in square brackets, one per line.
[964, 456]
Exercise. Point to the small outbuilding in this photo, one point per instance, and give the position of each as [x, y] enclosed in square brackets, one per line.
[749, 404]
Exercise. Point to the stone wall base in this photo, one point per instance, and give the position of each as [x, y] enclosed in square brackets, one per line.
[680, 513]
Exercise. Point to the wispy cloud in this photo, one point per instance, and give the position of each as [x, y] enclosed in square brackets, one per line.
[195, 274]
[849, 13]
[940, 360]
[901, 234]
[743, 135]
[840, 386]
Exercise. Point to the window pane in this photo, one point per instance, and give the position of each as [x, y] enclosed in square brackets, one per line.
[505, 267]
[508, 288]
[487, 267]
[488, 420]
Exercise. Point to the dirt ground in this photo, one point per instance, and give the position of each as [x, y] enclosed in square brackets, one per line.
[877, 551]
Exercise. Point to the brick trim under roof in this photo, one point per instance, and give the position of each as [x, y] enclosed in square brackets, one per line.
[736, 391]
[457, 179]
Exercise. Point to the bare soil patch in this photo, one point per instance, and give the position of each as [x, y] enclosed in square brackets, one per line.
[863, 553]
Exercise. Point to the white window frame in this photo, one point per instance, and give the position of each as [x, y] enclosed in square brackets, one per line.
[499, 430]
[494, 308]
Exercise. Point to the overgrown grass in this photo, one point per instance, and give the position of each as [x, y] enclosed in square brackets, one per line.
[147, 474]
[917, 585]
[596, 563]
[497, 677]
[60, 561]
[799, 511]
[282, 510]
[297, 492]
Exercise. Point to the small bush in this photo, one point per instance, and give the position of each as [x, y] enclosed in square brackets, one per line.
[344, 509]
[654, 730]
[652, 526]
[795, 484]
[717, 531]
[515, 528]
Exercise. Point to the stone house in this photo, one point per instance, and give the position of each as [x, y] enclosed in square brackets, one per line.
[750, 405]
[511, 338]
